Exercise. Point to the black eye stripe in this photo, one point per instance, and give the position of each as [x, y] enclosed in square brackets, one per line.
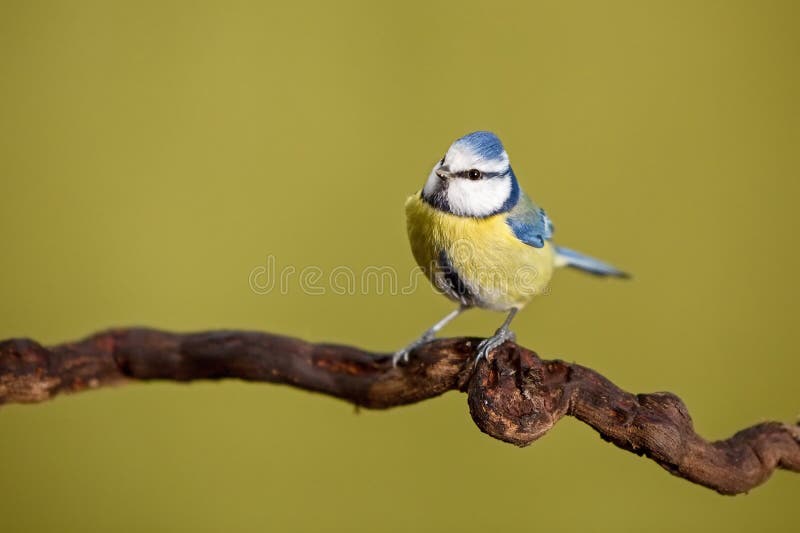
[484, 175]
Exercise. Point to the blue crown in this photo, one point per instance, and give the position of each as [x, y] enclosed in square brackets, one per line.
[483, 143]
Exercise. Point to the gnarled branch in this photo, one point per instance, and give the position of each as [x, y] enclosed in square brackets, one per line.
[516, 397]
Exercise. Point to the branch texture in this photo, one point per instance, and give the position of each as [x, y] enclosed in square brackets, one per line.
[515, 397]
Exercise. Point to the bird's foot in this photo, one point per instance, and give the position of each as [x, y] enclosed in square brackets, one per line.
[487, 345]
[403, 354]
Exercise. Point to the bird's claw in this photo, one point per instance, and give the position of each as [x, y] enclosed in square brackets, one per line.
[403, 354]
[400, 356]
[487, 345]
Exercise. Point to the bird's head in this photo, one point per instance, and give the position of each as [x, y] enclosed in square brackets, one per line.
[473, 179]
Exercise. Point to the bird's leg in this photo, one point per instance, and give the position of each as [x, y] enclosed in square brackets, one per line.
[500, 336]
[430, 333]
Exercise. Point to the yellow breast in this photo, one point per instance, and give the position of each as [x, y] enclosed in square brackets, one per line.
[498, 270]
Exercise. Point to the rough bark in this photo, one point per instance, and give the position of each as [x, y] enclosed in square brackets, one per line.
[515, 397]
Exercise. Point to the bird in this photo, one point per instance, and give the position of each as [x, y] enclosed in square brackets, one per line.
[481, 241]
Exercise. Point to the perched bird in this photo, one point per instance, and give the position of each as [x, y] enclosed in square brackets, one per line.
[481, 240]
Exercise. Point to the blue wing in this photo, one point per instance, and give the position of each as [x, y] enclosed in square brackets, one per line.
[529, 222]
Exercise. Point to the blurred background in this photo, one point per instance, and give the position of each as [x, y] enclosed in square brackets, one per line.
[153, 154]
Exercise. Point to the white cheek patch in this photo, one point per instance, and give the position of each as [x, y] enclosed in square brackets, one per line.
[477, 198]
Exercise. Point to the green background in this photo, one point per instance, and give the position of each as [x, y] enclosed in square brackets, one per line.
[153, 154]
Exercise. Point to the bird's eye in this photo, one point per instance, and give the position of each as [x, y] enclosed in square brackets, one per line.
[474, 174]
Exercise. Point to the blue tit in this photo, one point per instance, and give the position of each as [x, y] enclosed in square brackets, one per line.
[481, 241]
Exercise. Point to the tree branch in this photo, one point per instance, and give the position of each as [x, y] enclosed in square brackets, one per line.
[516, 397]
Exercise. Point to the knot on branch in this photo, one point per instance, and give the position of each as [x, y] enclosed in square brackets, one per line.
[516, 397]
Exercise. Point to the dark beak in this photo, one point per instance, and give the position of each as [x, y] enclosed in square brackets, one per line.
[443, 173]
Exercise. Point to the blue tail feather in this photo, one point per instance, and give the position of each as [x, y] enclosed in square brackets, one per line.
[588, 264]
